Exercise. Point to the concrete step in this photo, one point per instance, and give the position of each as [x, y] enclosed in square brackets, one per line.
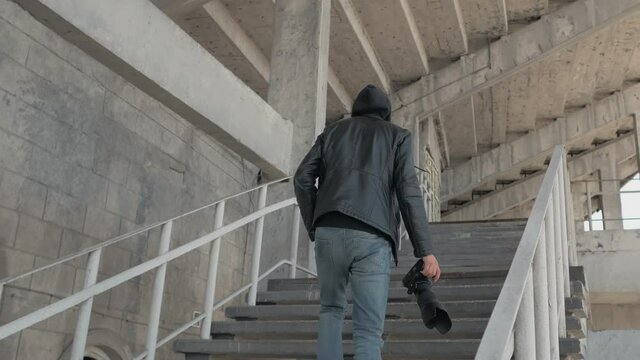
[453, 226]
[460, 292]
[578, 290]
[576, 307]
[491, 254]
[576, 273]
[572, 349]
[456, 309]
[311, 284]
[444, 262]
[576, 327]
[459, 271]
[463, 251]
[470, 234]
[308, 329]
[449, 272]
[306, 349]
[460, 249]
[486, 239]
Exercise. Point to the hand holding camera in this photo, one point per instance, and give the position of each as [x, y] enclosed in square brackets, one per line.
[431, 268]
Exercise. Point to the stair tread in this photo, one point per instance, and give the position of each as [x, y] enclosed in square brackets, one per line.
[312, 283]
[457, 309]
[455, 292]
[475, 259]
[433, 349]
[308, 329]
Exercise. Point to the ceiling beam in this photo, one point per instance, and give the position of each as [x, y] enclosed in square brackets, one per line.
[527, 190]
[365, 42]
[415, 35]
[218, 11]
[540, 143]
[442, 27]
[339, 90]
[508, 55]
[178, 7]
[526, 9]
[485, 18]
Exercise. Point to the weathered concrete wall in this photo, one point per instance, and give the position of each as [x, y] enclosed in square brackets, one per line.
[610, 260]
[169, 65]
[613, 345]
[85, 156]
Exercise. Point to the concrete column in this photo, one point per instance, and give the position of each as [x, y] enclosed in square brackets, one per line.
[299, 62]
[611, 204]
[298, 91]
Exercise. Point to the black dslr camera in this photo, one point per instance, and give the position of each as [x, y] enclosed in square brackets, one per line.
[432, 311]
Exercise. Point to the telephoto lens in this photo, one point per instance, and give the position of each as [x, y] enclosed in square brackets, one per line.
[434, 315]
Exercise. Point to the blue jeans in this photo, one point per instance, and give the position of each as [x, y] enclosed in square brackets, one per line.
[343, 254]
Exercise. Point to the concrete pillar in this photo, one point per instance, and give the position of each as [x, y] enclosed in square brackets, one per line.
[299, 62]
[298, 91]
[611, 203]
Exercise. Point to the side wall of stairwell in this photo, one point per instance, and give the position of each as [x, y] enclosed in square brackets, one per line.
[85, 156]
[610, 260]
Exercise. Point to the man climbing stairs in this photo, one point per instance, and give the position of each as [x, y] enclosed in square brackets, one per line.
[475, 259]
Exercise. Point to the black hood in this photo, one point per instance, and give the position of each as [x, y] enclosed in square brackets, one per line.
[372, 101]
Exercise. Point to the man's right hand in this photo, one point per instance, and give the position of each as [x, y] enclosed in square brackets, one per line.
[431, 268]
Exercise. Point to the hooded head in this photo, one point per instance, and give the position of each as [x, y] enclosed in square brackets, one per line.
[372, 101]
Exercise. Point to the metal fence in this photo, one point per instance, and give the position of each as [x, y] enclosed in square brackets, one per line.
[92, 288]
[529, 316]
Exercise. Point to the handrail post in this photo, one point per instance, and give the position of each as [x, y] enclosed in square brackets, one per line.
[257, 249]
[158, 290]
[559, 260]
[541, 299]
[589, 209]
[525, 336]
[551, 282]
[295, 231]
[212, 275]
[84, 316]
[565, 233]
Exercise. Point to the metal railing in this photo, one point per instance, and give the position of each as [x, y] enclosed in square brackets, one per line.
[92, 288]
[529, 317]
[619, 221]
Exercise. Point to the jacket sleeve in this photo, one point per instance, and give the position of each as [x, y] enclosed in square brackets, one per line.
[304, 183]
[410, 200]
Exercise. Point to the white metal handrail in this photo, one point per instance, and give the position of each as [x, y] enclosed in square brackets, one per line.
[128, 235]
[529, 317]
[85, 297]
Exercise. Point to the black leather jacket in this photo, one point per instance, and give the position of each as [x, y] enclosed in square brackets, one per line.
[361, 164]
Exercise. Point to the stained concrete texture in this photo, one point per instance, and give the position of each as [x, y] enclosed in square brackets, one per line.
[613, 345]
[85, 156]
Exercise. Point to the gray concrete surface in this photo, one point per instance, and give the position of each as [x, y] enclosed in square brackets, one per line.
[84, 156]
[577, 131]
[222, 106]
[613, 345]
[526, 190]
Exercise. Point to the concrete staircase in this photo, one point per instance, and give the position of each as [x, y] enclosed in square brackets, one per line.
[475, 258]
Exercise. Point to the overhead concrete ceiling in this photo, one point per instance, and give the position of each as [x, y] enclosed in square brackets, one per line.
[389, 43]
[395, 43]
